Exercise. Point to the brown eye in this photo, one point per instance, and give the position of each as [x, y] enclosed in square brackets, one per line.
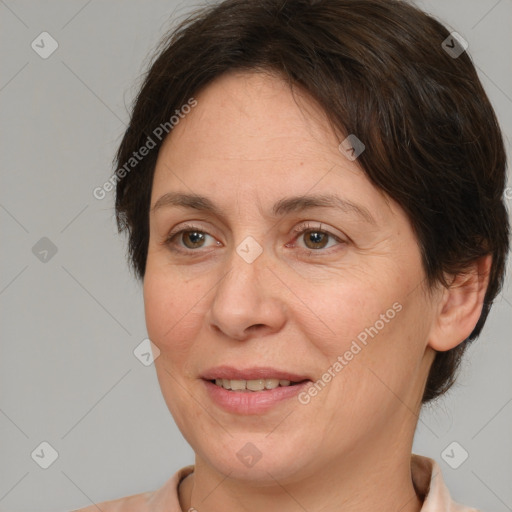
[194, 238]
[189, 239]
[317, 239]
[313, 239]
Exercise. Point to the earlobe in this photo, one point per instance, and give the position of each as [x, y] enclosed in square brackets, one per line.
[460, 306]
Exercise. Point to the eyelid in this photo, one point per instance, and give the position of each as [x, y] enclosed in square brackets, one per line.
[312, 226]
[318, 227]
[184, 227]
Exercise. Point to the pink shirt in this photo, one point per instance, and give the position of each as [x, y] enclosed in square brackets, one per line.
[426, 476]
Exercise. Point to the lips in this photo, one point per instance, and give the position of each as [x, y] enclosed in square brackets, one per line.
[230, 373]
[279, 386]
[245, 402]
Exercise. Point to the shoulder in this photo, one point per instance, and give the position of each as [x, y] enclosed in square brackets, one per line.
[164, 499]
[429, 484]
[134, 503]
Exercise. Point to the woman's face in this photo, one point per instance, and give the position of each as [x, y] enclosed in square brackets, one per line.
[267, 288]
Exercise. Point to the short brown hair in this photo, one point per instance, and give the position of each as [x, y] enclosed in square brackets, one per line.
[379, 70]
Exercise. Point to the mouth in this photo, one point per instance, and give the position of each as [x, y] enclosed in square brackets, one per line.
[254, 385]
[252, 391]
[259, 380]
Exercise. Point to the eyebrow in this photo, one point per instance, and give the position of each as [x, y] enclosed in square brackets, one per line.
[282, 207]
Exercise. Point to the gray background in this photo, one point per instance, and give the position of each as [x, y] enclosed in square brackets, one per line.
[68, 375]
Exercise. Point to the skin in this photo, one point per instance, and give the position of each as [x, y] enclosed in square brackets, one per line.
[247, 144]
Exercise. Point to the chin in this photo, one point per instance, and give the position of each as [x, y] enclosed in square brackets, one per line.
[257, 458]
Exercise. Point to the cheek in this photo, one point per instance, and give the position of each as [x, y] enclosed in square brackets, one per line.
[348, 310]
[173, 311]
[378, 328]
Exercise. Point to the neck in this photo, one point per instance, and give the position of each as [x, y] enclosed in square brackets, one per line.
[375, 482]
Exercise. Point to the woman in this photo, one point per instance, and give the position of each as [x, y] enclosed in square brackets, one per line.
[313, 196]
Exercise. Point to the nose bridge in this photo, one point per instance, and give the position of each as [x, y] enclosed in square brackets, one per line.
[245, 265]
[245, 296]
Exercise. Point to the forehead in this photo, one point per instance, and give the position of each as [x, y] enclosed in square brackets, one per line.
[243, 116]
[250, 135]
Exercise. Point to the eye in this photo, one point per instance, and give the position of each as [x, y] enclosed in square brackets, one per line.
[191, 237]
[315, 238]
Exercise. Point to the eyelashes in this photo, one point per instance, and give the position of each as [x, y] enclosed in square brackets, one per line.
[314, 229]
[195, 237]
[198, 235]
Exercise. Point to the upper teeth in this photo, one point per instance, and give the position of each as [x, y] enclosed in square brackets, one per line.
[251, 385]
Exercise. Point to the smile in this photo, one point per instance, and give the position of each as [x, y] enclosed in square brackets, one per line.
[242, 386]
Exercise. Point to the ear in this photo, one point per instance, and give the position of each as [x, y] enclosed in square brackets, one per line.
[460, 306]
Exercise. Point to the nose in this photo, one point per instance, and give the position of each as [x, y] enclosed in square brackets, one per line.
[247, 300]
